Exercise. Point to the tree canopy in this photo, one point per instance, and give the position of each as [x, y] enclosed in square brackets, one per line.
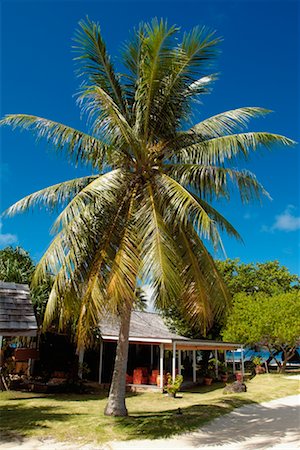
[269, 277]
[269, 320]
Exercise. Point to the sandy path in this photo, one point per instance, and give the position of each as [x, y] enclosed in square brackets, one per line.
[270, 425]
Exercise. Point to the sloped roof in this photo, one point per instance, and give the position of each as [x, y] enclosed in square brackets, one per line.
[16, 311]
[143, 325]
[149, 327]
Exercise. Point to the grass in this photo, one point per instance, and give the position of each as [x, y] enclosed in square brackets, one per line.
[152, 415]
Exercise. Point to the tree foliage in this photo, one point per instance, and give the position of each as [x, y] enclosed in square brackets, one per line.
[269, 320]
[16, 265]
[268, 277]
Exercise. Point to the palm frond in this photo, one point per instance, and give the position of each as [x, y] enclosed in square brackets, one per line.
[121, 285]
[201, 86]
[160, 262]
[218, 218]
[95, 63]
[153, 66]
[132, 54]
[78, 145]
[185, 208]
[190, 62]
[227, 122]
[196, 297]
[211, 181]
[58, 194]
[206, 296]
[218, 150]
[102, 191]
[94, 295]
[108, 119]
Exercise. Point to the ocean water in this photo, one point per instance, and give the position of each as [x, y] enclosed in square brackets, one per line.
[249, 354]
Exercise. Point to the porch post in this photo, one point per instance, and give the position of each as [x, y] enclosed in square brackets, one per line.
[161, 365]
[1, 341]
[242, 361]
[174, 361]
[194, 366]
[233, 362]
[100, 361]
[216, 366]
[225, 357]
[80, 361]
[179, 362]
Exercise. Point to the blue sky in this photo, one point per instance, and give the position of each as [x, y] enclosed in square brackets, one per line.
[258, 66]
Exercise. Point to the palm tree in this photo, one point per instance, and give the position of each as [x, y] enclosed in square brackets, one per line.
[144, 215]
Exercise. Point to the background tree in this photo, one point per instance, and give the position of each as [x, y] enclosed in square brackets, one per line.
[268, 277]
[146, 212]
[272, 321]
[16, 265]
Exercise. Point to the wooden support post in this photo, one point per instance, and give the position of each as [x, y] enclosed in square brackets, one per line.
[100, 361]
[174, 361]
[225, 357]
[1, 341]
[161, 365]
[80, 361]
[242, 362]
[233, 362]
[216, 365]
[194, 366]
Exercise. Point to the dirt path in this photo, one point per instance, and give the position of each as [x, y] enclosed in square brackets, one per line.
[270, 425]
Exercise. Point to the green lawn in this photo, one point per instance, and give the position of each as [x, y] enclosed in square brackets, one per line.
[152, 415]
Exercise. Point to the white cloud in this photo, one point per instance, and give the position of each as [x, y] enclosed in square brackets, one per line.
[287, 221]
[7, 238]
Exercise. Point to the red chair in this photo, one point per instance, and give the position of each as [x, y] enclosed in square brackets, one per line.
[140, 375]
[153, 377]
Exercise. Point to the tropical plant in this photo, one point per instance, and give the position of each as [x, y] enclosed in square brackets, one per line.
[257, 361]
[173, 385]
[144, 214]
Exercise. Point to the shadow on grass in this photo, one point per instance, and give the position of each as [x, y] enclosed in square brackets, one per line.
[170, 422]
[17, 421]
[203, 388]
[21, 396]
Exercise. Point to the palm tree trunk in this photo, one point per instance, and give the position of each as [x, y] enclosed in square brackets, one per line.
[116, 399]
